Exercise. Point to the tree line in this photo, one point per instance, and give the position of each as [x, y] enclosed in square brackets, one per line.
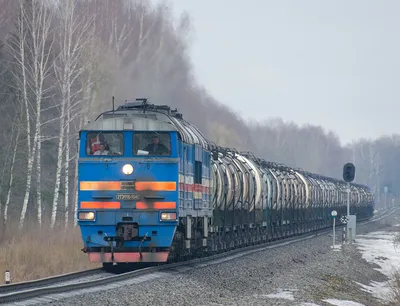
[62, 61]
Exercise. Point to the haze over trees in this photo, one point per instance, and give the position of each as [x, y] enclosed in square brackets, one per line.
[62, 61]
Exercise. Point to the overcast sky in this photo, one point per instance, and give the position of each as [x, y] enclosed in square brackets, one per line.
[333, 63]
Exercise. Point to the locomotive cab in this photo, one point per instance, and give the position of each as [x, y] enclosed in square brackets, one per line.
[128, 191]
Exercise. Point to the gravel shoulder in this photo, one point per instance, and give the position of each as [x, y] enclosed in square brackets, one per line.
[304, 273]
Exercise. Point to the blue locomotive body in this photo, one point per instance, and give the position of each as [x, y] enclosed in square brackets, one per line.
[152, 188]
[127, 208]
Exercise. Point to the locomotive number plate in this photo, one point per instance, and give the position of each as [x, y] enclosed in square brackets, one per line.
[128, 196]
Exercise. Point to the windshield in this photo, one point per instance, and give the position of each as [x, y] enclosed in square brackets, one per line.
[105, 143]
[150, 143]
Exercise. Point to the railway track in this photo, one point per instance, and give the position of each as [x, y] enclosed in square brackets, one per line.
[99, 277]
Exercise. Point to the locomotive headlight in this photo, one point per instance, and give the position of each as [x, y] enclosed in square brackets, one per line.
[168, 216]
[86, 215]
[127, 169]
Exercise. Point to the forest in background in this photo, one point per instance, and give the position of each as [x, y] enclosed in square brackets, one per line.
[62, 61]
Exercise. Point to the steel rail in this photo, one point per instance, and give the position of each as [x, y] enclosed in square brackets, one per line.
[48, 280]
[39, 292]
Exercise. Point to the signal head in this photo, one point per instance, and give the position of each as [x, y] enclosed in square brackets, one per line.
[349, 172]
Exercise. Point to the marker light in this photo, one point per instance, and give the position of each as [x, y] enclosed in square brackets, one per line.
[86, 215]
[127, 169]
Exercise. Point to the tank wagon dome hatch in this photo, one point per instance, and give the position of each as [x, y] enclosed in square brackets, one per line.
[141, 115]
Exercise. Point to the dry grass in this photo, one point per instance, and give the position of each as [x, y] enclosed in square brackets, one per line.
[396, 240]
[394, 289]
[395, 281]
[41, 252]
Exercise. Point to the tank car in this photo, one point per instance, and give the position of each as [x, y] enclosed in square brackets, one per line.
[153, 189]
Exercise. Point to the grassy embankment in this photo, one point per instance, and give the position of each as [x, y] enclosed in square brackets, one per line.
[41, 252]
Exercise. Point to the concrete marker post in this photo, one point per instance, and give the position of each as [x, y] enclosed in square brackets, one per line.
[7, 277]
[334, 215]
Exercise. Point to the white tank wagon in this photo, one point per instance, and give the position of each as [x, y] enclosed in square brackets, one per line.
[238, 189]
[249, 190]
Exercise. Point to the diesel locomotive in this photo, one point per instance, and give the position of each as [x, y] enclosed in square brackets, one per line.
[153, 189]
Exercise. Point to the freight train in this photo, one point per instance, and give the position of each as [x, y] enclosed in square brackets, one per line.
[153, 189]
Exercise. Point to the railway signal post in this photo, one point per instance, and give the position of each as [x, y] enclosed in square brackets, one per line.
[385, 190]
[349, 172]
[334, 215]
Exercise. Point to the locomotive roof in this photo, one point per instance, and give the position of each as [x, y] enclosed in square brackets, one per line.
[140, 115]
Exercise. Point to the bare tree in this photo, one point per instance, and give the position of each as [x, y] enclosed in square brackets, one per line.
[17, 126]
[89, 81]
[17, 48]
[31, 51]
[5, 165]
[73, 40]
[41, 32]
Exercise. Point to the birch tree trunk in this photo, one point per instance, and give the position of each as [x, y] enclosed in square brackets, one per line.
[14, 155]
[67, 153]
[17, 49]
[73, 39]
[7, 204]
[59, 166]
[76, 191]
[5, 165]
[38, 186]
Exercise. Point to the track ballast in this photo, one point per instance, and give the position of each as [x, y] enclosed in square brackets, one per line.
[43, 287]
